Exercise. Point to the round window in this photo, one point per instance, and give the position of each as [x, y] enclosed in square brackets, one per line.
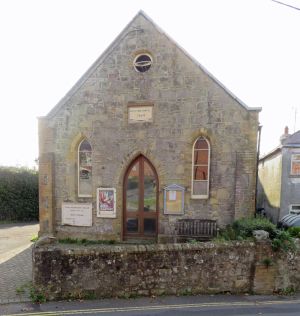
[142, 62]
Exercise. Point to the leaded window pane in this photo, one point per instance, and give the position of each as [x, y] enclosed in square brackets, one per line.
[85, 169]
[200, 173]
[201, 157]
[200, 188]
[201, 143]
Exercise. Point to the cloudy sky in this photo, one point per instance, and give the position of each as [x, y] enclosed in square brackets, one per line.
[251, 46]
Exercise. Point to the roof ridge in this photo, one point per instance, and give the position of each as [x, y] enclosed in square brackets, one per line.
[109, 49]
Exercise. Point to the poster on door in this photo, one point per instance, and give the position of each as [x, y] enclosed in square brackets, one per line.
[106, 202]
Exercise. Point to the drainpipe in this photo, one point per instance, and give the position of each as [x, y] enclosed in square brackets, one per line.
[257, 162]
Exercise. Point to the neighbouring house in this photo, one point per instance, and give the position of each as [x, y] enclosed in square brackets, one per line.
[146, 136]
[279, 178]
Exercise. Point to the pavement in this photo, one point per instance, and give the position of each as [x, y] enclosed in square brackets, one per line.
[16, 261]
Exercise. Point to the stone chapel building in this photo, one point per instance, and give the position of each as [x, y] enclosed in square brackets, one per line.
[145, 137]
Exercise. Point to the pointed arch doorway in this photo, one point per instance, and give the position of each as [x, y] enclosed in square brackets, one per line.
[140, 200]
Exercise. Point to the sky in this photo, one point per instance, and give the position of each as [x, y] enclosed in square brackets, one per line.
[251, 46]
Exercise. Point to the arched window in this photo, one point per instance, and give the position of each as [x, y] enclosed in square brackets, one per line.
[84, 169]
[200, 170]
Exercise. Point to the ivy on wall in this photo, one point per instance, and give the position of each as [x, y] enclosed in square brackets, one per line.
[18, 194]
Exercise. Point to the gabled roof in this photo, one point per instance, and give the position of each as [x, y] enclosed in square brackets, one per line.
[100, 60]
[271, 153]
[292, 140]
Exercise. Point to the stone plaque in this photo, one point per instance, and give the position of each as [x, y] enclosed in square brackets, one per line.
[76, 214]
[140, 113]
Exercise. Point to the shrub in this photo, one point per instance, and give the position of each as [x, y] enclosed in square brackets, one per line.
[227, 234]
[245, 227]
[18, 194]
[283, 241]
[294, 232]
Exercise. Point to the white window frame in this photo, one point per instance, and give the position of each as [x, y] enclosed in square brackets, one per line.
[293, 159]
[291, 208]
[203, 196]
[78, 170]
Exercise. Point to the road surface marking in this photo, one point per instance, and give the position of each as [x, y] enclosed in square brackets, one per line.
[154, 307]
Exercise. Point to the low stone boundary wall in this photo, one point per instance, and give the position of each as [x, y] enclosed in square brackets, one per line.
[62, 271]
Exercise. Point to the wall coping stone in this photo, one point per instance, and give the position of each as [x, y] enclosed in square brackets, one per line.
[72, 249]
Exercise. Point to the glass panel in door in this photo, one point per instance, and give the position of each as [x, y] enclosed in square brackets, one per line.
[150, 188]
[132, 189]
[132, 225]
[149, 226]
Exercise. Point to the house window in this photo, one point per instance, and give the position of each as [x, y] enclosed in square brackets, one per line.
[200, 168]
[295, 209]
[84, 169]
[295, 165]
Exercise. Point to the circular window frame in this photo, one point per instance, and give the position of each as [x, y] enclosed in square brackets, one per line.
[138, 56]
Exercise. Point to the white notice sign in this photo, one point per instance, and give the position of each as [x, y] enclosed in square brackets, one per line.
[140, 114]
[76, 214]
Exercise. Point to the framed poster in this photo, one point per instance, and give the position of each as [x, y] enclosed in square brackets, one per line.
[76, 214]
[174, 199]
[106, 202]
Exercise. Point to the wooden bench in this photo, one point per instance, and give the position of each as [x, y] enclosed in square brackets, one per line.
[199, 229]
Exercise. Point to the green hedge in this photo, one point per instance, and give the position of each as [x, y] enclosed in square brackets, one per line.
[18, 194]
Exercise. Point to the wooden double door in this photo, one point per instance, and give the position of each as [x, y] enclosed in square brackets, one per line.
[140, 200]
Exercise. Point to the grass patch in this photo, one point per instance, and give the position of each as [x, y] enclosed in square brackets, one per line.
[21, 289]
[35, 295]
[86, 242]
[4, 222]
[267, 262]
[185, 292]
[34, 238]
[287, 291]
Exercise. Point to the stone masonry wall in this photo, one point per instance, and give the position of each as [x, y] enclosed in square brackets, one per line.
[187, 103]
[131, 270]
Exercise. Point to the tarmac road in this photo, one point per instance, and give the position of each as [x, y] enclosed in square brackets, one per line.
[202, 305]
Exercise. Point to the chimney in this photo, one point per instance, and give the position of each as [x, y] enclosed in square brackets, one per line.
[285, 135]
[286, 130]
